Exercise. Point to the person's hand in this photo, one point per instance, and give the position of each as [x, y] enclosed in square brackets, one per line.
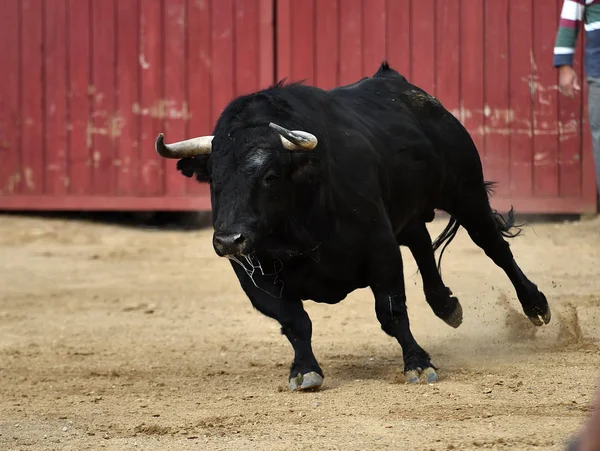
[567, 81]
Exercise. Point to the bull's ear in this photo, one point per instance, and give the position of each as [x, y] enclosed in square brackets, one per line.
[197, 165]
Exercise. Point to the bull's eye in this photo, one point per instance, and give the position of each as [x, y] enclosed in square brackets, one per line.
[270, 179]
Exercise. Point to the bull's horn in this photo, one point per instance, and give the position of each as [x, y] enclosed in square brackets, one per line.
[295, 139]
[183, 149]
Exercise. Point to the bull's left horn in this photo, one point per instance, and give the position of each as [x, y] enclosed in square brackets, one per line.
[183, 149]
[295, 139]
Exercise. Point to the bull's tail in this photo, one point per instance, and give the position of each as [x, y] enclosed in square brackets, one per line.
[445, 238]
[503, 225]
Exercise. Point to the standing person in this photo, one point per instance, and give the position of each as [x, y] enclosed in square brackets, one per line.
[573, 14]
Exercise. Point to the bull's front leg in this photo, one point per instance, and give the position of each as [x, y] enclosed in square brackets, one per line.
[272, 301]
[387, 284]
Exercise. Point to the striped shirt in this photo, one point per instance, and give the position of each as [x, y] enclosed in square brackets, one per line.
[573, 13]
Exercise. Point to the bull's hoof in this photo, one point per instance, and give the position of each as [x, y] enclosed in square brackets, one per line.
[445, 306]
[541, 320]
[456, 317]
[308, 381]
[540, 314]
[429, 375]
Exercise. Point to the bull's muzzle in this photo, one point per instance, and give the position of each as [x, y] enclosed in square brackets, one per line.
[228, 244]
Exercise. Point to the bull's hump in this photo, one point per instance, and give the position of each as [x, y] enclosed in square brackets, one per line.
[421, 99]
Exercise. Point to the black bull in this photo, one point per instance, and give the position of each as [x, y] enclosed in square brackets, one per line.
[314, 190]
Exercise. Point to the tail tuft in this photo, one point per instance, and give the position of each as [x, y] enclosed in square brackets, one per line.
[445, 238]
[504, 225]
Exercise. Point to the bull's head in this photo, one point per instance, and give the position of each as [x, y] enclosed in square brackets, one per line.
[251, 176]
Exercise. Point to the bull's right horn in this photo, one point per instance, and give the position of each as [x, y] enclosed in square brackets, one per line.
[183, 149]
[295, 139]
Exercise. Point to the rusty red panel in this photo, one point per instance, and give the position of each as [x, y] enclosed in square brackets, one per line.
[522, 83]
[10, 92]
[326, 43]
[55, 101]
[545, 106]
[247, 45]
[199, 74]
[223, 54]
[399, 40]
[79, 48]
[104, 126]
[447, 51]
[423, 44]
[150, 178]
[128, 112]
[175, 106]
[115, 73]
[303, 41]
[351, 43]
[266, 61]
[496, 114]
[32, 109]
[374, 35]
[283, 35]
[471, 70]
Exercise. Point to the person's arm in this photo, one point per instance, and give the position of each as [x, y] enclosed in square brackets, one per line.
[571, 17]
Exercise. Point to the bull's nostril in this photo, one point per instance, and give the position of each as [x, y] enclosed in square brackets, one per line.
[230, 243]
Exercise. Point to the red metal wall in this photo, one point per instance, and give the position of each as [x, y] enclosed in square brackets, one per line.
[488, 61]
[88, 84]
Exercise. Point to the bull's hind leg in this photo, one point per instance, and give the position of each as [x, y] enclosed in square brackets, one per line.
[439, 297]
[487, 229]
[387, 283]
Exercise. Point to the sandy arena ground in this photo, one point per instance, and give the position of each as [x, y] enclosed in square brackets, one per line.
[123, 338]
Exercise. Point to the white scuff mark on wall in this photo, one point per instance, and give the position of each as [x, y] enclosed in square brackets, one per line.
[143, 62]
[163, 109]
[206, 59]
[532, 63]
[102, 126]
[12, 182]
[96, 156]
[505, 122]
[495, 116]
[568, 129]
[29, 183]
[484, 130]
[177, 12]
[149, 171]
